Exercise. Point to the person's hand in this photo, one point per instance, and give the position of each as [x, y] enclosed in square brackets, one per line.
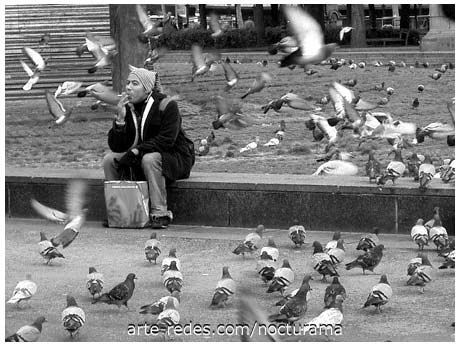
[121, 109]
[129, 159]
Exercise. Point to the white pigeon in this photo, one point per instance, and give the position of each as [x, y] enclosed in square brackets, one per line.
[34, 74]
[283, 277]
[151, 29]
[67, 88]
[73, 317]
[47, 250]
[23, 291]
[271, 250]
[28, 333]
[419, 234]
[343, 31]
[337, 167]
[94, 282]
[251, 146]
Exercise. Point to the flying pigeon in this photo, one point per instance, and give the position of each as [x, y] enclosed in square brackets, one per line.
[201, 63]
[332, 291]
[56, 109]
[152, 248]
[47, 250]
[158, 306]
[215, 26]
[166, 263]
[367, 261]
[224, 290]
[102, 93]
[101, 54]
[394, 170]
[274, 104]
[251, 243]
[67, 88]
[380, 294]
[74, 218]
[34, 74]
[259, 84]
[73, 317]
[287, 45]
[266, 267]
[434, 130]
[309, 36]
[369, 241]
[151, 29]
[229, 114]
[28, 333]
[120, 294]
[297, 234]
[231, 76]
[172, 278]
[449, 260]
[426, 172]
[282, 278]
[343, 31]
[271, 249]
[94, 282]
[322, 262]
[422, 274]
[23, 291]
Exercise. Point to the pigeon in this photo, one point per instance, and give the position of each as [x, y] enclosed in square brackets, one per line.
[420, 88]
[295, 307]
[169, 317]
[369, 241]
[311, 72]
[259, 84]
[309, 37]
[74, 218]
[215, 26]
[390, 91]
[337, 254]
[446, 250]
[276, 140]
[337, 167]
[438, 234]
[282, 278]
[298, 103]
[449, 174]
[415, 103]
[430, 223]
[271, 250]
[330, 318]
[394, 170]
[266, 267]
[23, 291]
[322, 262]
[94, 282]
[151, 29]
[166, 263]
[102, 93]
[225, 289]
[422, 274]
[274, 104]
[73, 317]
[291, 294]
[333, 243]
[435, 76]
[332, 291]
[47, 250]
[413, 165]
[373, 167]
[101, 54]
[152, 248]
[323, 124]
[343, 31]
[201, 63]
[28, 333]
[251, 146]
[44, 39]
[350, 83]
[286, 45]
[229, 115]
[297, 234]
[434, 130]
[120, 294]
[449, 261]
[56, 109]
[367, 261]
[451, 109]
[426, 172]
[413, 264]
[172, 278]
[391, 68]
[251, 243]
[380, 294]
[67, 88]
[231, 76]
[419, 234]
[33, 74]
[158, 306]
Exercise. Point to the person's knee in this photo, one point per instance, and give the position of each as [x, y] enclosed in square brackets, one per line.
[151, 160]
[108, 159]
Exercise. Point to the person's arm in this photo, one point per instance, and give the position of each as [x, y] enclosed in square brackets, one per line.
[118, 138]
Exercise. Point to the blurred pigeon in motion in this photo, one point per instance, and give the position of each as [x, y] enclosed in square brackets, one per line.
[75, 216]
[120, 294]
[320, 122]
[215, 26]
[369, 241]
[426, 172]
[67, 88]
[94, 282]
[152, 248]
[271, 249]
[422, 274]
[34, 74]
[295, 307]
[419, 234]
[56, 109]
[23, 291]
[266, 267]
[309, 36]
[394, 170]
[322, 262]
[286, 45]
[47, 250]
[343, 31]
[202, 63]
[373, 166]
[283, 277]
[166, 263]
[28, 333]
[296, 102]
[367, 261]
[332, 291]
[231, 76]
[297, 234]
[73, 317]
[224, 290]
[251, 243]
[434, 130]
[274, 104]
[332, 243]
[151, 29]
[229, 114]
[337, 167]
[380, 294]
[172, 278]
[101, 54]
[158, 306]
[102, 93]
[259, 84]
[106, 42]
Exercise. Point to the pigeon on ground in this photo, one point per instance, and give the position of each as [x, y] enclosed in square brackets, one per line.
[309, 36]
[332, 291]
[449, 174]
[57, 110]
[430, 223]
[275, 141]
[166, 263]
[333, 243]
[322, 262]
[169, 317]
[224, 290]
[231, 76]
[158, 306]
[251, 243]
[426, 172]
[419, 234]
[202, 63]
[251, 146]
[369, 241]
[329, 318]
[173, 279]
[28, 333]
[451, 109]
[120, 294]
[337, 254]
[266, 267]
[394, 170]
[413, 264]
[413, 165]
[367, 261]
[449, 260]
[67, 88]
[422, 274]
[73, 317]
[283, 277]
[23, 291]
[47, 250]
[94, 282]
[151, 29]
[297, 234]
[259, 84]
[152, 248]
[229, 114]
[271, 249]
[435, 76]
[420, 88]
[295, 307]
[438, 233]
[33, 74]
[415, 103]
[75, 216]
[380, 294]
[337, 167]
[373, 166]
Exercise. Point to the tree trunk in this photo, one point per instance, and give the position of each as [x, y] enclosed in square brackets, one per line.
[125, 28]
[274, 13]
[358, 34]
[187, 11]
[259, 23]
[239, 16]
[373, 17]
[203, 22]
[405, 13]
[317, 12]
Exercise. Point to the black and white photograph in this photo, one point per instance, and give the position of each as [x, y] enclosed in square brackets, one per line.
[217, 172]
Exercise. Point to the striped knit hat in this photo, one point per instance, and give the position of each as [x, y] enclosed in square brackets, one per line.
[149, 79]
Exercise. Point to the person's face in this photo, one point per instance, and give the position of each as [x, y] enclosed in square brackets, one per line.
[135, 90]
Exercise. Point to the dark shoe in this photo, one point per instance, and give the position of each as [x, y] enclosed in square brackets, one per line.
[160, 222]
[105, 223]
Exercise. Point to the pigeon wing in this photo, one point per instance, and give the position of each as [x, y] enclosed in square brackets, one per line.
[35, 57]
[49, 213]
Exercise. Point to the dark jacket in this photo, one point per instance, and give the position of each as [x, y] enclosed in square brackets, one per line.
[162, 132]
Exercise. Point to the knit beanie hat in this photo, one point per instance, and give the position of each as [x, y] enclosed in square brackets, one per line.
[149, 79]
